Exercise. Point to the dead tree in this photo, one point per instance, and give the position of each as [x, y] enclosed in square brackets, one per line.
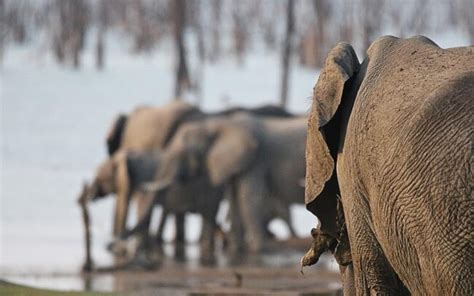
[2, 30]
[102, 24]
[466, 15]
[286, 55]
[323, 12]
[371, 20]
[178, 7]
[71, 26]
[215, 31]
[346, 30]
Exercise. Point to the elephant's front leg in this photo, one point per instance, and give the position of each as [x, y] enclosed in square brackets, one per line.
[161, 226]
[180, 228]
[251, 192]
[236, 234]
[145, 205]
[207, 242]
[180, 241]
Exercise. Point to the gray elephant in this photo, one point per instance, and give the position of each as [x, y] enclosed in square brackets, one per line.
[145, 130]
[259, 159]
[123, 175]
[393, 137]
[131, 171]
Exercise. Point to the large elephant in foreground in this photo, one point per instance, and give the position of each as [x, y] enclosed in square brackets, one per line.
[393, 137]
[259, 159]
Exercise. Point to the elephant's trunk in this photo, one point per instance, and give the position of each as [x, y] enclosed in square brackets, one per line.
[322, 242]
[156, 187]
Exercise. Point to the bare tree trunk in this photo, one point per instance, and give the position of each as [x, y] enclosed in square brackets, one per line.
[346, 27]
[182, 74]
[216, 24]
[371, 20]
[102, 23]
[3, 29]
[100, 49]
[287, 53]
[323, 13]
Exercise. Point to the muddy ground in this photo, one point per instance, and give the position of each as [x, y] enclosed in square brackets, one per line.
[277, 272]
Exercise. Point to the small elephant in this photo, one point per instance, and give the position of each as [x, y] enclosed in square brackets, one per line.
[123, 175]
[255, 157]
[126, 173]
[393, 137]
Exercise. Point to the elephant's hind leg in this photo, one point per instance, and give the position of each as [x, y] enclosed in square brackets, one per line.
[251, 194]
[373, 274]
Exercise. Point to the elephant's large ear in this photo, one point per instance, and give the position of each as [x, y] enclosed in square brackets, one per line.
[232, 152]
[114, 136]
[341, 64]
[122, 185]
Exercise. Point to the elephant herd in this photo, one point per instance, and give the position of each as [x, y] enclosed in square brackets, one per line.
[384, 161]
[185, 160]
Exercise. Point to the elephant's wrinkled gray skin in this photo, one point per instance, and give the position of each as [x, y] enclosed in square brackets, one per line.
[258, 158]
[395, 135]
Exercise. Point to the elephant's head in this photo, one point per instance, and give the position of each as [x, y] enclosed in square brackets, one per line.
[115, 134]
[109, 177]
[112, 177]
[214, 149]
[333, 96]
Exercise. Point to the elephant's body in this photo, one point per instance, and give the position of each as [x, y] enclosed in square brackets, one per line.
[416, 173]
[284, 157]
[404, 164]
[148, 128]
[258, 158]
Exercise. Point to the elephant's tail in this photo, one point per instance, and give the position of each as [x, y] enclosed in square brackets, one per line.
[114, 136]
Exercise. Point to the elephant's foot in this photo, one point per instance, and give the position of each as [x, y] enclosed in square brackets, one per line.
[207, 257]
[118, 247]
[143, 260]
[180, 252]
[235, 250]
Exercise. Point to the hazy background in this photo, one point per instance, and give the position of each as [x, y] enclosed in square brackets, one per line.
[69, 66]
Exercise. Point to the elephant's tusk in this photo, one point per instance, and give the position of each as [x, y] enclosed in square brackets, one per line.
[153, 187]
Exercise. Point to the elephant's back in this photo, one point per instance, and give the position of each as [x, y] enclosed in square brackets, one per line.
[399, 79]
[412, 129]
[149, 128]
